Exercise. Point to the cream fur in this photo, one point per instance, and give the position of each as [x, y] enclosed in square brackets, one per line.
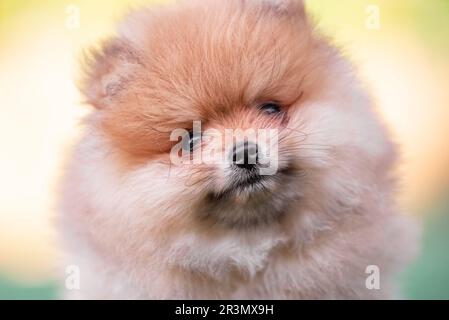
[132, 228]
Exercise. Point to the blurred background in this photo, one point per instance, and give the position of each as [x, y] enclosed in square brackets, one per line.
[401, 48]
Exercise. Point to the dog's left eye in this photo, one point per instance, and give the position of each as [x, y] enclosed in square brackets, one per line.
[270, 108]
[191, 141]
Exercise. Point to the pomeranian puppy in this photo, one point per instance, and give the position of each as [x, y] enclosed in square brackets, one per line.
[142, 220]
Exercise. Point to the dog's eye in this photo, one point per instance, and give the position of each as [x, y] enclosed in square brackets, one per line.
[191, 142]
[270, 108]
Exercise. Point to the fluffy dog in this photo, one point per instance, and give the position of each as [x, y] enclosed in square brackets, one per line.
[139, 225]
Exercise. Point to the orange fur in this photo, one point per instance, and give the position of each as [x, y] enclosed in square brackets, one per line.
[250, 58]
[153, 229]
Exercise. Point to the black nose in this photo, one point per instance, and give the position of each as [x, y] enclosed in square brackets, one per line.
[245, 155]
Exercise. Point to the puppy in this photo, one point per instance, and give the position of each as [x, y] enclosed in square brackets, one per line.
[143, 220]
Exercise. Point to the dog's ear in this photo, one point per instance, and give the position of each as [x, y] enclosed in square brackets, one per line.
[293, 7]
[107, 71]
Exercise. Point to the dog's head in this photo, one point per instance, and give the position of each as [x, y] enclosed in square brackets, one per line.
[233, 114]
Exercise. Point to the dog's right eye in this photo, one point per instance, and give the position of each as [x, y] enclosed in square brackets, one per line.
[270, 108]
[191, 141]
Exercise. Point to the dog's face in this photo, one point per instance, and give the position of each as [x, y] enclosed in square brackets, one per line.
[228, 66]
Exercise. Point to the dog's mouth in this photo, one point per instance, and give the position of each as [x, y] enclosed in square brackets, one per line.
[252, 183]
[248, 182]
[250, 200]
